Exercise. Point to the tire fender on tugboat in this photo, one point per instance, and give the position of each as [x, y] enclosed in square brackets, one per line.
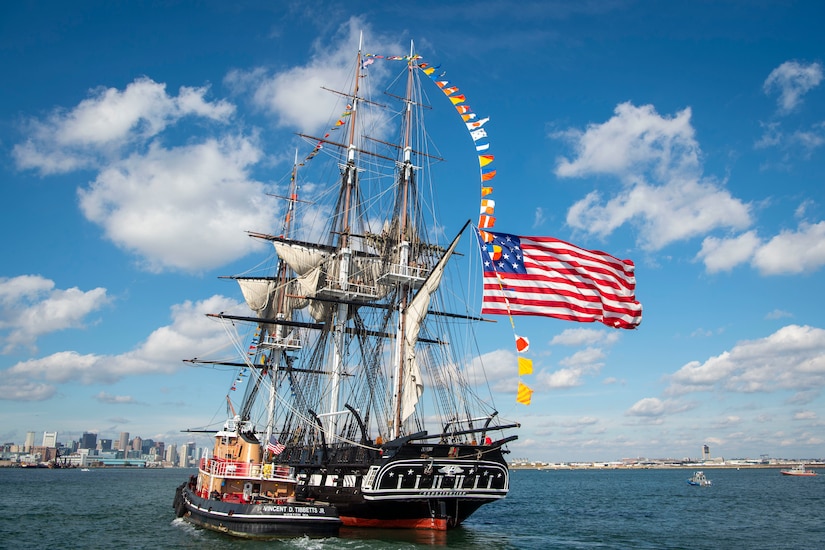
[179, 504]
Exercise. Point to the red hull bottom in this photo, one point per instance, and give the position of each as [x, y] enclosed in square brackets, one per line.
[433, 524]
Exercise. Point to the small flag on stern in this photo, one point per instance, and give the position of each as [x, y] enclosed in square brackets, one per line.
[274, 446]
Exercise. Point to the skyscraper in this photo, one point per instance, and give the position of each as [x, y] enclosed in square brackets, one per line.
[27, 446]
[123, 443]
[88, 441]
[50, 439]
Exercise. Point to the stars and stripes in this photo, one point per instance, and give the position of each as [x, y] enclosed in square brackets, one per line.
[549, 277]
[274, 446]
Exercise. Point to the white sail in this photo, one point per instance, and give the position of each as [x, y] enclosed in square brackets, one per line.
[300, 258]
[413, 385]
[256, 292]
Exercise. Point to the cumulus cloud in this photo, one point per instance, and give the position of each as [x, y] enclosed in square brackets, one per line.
[496, 368]
[793, 251]
[658, 161]
[724, 254]
[654, 409]
[31, 307]
[575, 367]
[792, 80]
[792, 358]
[98, 127]
[190, 332]
[788, 253]
[649, 406]
[635, 139]
[183, 208]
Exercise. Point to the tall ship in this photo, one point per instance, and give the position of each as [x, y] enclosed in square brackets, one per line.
[364, 401]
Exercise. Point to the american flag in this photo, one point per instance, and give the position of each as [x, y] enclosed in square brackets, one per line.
[548, 277]
[274, 447]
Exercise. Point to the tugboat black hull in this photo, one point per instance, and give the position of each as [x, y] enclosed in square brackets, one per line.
[257, 520]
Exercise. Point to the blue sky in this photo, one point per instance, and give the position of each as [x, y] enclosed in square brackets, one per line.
[138, 138]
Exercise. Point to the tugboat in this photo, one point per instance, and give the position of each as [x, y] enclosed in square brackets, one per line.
[236, 493]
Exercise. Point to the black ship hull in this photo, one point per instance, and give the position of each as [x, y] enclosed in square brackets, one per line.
[414, 486]
[259, 520]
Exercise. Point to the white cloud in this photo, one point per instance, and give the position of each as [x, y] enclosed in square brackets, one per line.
[805, 415]
[183, 208]
[189, 333]
[649, 406]
[99, 126]
[654, 408]
[792, 358]
[725, 254]
[31, 307]
[658, 161]
[790, 252]
[576, 367]
[792, 80]
[634, 140]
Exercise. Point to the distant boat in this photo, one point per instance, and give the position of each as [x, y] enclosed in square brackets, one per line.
[798, 470]
[699, 480]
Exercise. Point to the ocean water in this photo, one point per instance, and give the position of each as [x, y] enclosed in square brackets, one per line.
[595, 509]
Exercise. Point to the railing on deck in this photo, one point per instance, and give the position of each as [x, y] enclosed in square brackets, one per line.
[245, 470]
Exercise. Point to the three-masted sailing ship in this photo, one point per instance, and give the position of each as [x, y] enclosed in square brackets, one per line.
[357, 403]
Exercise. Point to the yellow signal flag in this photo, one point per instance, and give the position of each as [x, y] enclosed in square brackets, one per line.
[524, 394]
[525, 366]
[484, 160]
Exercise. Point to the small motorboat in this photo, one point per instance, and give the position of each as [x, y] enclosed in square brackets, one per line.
[798, 470]
[699, 480]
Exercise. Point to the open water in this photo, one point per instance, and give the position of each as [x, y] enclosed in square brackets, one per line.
[594, 509]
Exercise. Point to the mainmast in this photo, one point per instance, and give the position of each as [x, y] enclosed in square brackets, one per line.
[405, 182]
